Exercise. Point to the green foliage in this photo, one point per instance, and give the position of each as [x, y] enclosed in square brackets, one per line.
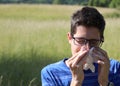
[26, 1]
[104, 3]
[47, 1]
[100, 3]
[115, 4]
[56, 2]
[90, 3]
[59, 1]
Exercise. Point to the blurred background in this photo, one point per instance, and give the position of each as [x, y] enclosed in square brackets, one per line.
[33, 34]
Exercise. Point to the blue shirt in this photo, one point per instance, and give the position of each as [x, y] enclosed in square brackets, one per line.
[58, 74]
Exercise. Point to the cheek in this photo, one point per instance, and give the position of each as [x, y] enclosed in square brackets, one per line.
[75, 49]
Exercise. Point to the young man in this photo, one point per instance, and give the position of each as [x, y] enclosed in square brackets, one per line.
[87, 28]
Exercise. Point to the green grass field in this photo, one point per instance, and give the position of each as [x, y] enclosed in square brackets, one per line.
[32, 36]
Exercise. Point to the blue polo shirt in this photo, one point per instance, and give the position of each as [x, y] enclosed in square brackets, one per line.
[58, 74]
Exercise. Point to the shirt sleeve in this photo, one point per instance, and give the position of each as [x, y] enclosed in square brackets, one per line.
[47, 78]
[115, 68]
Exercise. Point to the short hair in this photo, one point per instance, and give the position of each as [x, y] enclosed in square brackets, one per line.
[89, 17]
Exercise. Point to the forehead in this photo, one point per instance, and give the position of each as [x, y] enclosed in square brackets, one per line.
[87, 32]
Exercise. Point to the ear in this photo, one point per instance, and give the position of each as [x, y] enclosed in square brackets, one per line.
[69, 37]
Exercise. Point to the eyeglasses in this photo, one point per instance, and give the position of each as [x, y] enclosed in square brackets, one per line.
[92, 42]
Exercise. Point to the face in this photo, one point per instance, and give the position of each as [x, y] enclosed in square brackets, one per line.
[89, 33]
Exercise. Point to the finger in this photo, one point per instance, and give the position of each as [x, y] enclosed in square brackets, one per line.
[103, 67]
[73, 57]
[83, 48]
[101, 54]
[100, 62]
[74, 60]
[80, 59]
[82, 62]
[71, 60]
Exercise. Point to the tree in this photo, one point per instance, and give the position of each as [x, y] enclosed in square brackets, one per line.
[90, 2]
[101, 3]
[115, 4]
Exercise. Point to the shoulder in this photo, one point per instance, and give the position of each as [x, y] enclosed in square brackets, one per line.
[58, 66]
[53, 74]
[114, 62]
[114, 65]
[114, 75]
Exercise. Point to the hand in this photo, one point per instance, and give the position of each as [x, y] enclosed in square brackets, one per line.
[75, 63]
[103, 68]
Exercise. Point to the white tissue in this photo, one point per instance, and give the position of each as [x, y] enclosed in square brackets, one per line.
[89, 61]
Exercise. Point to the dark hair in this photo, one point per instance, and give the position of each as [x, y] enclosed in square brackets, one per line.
[89, 17]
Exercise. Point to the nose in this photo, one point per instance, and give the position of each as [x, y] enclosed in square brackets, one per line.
[88, 45]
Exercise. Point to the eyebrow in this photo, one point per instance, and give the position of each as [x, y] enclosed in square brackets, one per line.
[85, 38]
[80, 37]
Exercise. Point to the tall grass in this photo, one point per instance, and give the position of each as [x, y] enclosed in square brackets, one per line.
[112, 39]
[32, 36]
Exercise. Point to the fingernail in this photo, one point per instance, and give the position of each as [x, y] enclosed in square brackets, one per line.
[101, 62]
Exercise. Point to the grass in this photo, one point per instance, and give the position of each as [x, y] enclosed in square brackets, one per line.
[112, 40]
[32, 36]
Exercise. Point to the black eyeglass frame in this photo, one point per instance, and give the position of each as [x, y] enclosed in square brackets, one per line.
[99, 44]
